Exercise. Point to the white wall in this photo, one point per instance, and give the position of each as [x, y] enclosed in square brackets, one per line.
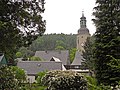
[31, 79]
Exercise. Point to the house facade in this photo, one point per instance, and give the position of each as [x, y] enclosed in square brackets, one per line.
[32, 68]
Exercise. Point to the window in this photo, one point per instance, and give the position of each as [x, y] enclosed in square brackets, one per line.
[76, 67]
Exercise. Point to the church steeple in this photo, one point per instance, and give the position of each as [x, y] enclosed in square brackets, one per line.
[83, 33]
[83, 21]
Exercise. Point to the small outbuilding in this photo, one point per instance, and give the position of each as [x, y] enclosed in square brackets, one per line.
[3, 60]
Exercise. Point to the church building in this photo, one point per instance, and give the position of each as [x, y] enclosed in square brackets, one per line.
[83, 33]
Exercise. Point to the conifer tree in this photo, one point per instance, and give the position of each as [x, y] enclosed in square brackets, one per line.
[107, 43]
[88, 53]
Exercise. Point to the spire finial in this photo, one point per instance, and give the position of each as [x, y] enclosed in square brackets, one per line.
[83, 20]
[82, 13]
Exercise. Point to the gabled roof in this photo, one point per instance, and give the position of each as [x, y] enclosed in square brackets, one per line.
[78, 59]
[63, 55]
[57, 60]
[33, 67]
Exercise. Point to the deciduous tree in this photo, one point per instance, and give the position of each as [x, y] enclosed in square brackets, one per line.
[20, 23]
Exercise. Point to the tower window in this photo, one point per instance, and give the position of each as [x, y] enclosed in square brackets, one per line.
[81, 36]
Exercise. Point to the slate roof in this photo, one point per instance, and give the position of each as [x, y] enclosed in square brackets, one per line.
[78, 59]
[63, 55]
[83, 31]
[33, 67]
[57, 60]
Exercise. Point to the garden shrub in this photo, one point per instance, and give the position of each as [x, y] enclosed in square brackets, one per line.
[64, 80]
[39, 76]
[7, 78]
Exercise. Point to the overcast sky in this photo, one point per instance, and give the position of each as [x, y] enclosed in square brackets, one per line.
[63, 16]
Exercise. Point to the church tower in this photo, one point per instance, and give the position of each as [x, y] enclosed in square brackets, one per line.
[83, 33]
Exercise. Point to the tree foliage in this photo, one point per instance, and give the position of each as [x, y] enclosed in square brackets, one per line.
[26, 53]
[59, 48]
[11, 77]
[93, 85]
[20, 23]
[72, 54]
[33, 58]
[19, 55]
[88, 53]
[114, 67]
[107, 43]
[53, 42]
[39, 77]
[7, 78]
[64, 80]
[20, 74]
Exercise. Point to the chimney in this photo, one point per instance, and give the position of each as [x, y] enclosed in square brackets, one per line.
[46, 51]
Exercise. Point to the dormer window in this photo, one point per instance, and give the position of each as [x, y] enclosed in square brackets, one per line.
[38, 65]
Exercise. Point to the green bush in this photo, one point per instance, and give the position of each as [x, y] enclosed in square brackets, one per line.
[93, 85]
[19, 55]
[7, 78]
[20, 74]
[64, 80]
[39, 76]
[33, 58]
